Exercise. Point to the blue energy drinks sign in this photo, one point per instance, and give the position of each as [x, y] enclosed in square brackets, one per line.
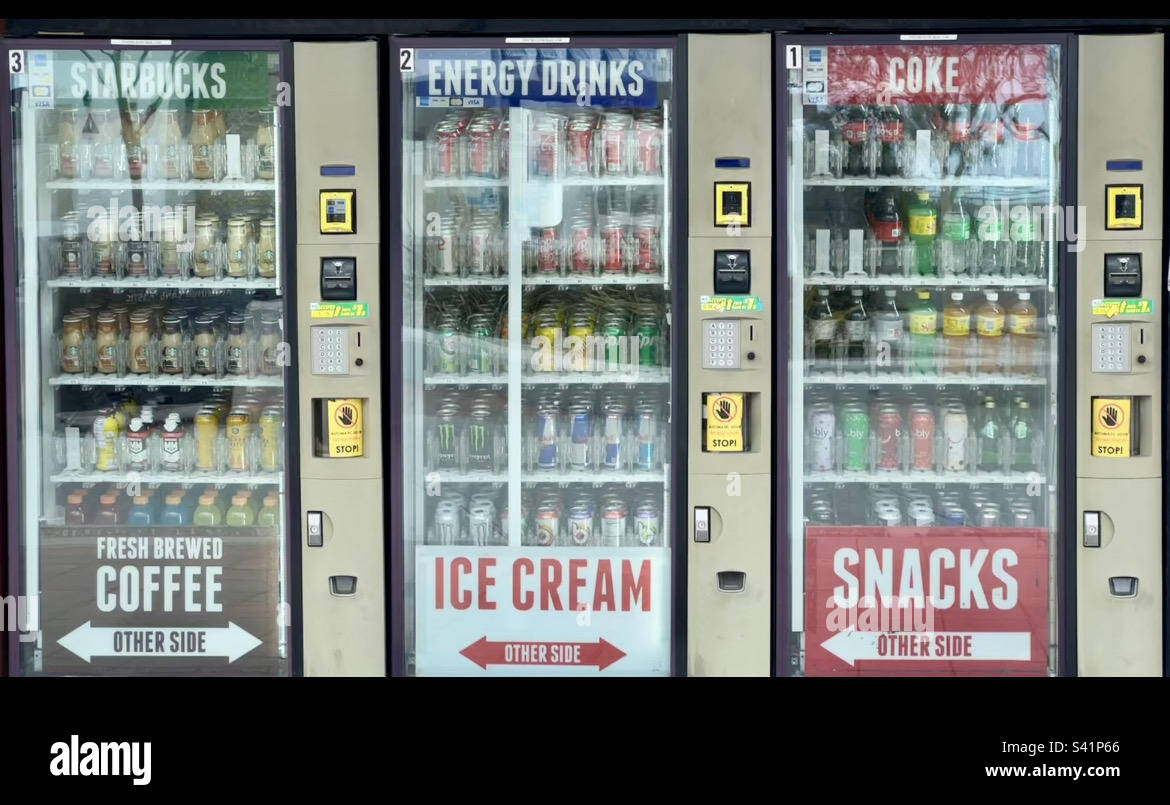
[604, 77]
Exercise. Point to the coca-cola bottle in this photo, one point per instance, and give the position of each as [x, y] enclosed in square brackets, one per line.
[957, 117]
[885, 225]
[891, 134]
[1029, 140]
[855, 136]
[988, 151]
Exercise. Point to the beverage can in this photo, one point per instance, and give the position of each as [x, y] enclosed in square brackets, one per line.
[647, 524]
[613, 523]
[581, 524]
[238, 428]
[206, 433]
[921, 438]
[822, 424]
[889, 438]
[580, 436]
[855, 429]
[547, 438]
[547, 525]
[271, 420]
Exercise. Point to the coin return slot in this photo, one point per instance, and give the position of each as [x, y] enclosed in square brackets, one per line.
[1123, 586]
[343, 585]
[731, 581]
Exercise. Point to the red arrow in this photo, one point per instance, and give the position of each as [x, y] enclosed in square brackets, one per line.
[484, 652]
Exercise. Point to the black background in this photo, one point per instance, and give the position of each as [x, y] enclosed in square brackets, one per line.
[610, 740]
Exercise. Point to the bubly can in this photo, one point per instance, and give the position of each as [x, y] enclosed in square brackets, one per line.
[822, 428]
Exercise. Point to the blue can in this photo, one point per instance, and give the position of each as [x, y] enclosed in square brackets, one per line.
[580, 433]
[546, 434]
[647, 430]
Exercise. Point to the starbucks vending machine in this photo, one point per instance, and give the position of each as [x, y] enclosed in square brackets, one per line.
[152, 413]
[927, 478]
[538, 430]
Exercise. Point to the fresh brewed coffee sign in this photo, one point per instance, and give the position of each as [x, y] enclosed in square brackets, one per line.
[580, 77]
[144, 600]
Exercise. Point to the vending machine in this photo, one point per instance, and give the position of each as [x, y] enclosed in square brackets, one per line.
[175, 392]
[538, 426]
[942, 231]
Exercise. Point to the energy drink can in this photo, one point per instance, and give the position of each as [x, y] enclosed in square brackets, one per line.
[647, 429]
[647, 524]
[613, 523]
[547, 438]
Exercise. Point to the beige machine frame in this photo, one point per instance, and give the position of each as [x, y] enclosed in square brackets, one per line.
[729, 631]
[1120, 117]
[336, 119]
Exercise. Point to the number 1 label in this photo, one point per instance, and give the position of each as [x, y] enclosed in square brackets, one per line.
[792, 56]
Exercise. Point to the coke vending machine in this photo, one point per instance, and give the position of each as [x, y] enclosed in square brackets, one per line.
[535, 257]
[923, 185]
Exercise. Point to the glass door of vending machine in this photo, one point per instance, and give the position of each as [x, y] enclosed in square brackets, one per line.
[923, 184]
[146, 285]
[537, 263]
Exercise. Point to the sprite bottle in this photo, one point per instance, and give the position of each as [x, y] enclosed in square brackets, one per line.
[922, 220]
[923, 335]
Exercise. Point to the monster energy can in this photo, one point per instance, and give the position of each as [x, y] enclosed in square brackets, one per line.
[446, 455]
[479, 438]
[447, 526]
[481, 523]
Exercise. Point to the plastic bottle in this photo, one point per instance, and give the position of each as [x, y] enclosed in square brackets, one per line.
[1023, 432]
[956, 336]
[922, 226]
[141, 513]
[923, 320]
[240, 513]
[822, 332]
[991, 237]
[208, 512]
[174, 512]
[887, 334]
[990, 431]
[110, 510]
[989, 330]
[269, 515]
[1023, 328]
[954, 241]
[856, 332]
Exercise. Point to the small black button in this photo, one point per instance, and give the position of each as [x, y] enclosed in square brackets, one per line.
[358, 362]
[1141, 358]
[751, 356]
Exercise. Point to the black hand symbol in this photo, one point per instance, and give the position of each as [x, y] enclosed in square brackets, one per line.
[345, 415]
[1110, 415]
[725, 409]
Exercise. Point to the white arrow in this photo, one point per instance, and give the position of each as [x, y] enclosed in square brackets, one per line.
[88, 641]
[852, 645]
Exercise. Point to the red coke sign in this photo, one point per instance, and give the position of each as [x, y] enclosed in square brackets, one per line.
[926, 601]
[937, 74]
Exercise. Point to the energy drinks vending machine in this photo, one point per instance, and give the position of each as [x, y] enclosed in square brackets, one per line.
[942, 285]
[155, 419]
[535, 258]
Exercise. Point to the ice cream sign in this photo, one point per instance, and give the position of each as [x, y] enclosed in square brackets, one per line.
[587, 77]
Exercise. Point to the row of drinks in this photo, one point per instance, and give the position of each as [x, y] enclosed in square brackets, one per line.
[847, 333]
[951, 433]
[217, 434]
[580, 144]
[590, 331]
[613, 517]
[180, 338]
[582, 430]
[905, 234]
[172, 505]
[589, 244]
[956, 139]
[889, 507]
[174, 243]
[205, 144]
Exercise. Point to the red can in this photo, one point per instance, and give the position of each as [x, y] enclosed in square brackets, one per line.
[548, 132]
[548, 260]
[613, 237]
[481, 152]
[648, 159]
[889, 437]
[613, 143]
[503, 146]
[647, 245]
[580, 148]
[581, 244]
[445, 155]
[921, 438]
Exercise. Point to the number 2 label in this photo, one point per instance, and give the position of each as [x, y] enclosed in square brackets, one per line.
[406, 60]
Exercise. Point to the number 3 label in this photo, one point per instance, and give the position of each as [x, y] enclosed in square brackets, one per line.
[16, 61]
[406, 60]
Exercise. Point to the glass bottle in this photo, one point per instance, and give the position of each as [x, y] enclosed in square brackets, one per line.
[204, 342]
[70, 265]
[171, 346]
[265, 146]
[202, 138]
[72, 343]
[68, 145]
[267, 248]
[172, 149]
[206, 243]
[238, 354]
[107, 343]
[270, 343]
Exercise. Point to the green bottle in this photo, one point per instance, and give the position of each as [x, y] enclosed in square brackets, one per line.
[1023, 431]
[208, 512]
[240, 513]
[923, 334]
[990, 432]
[922, 218]
[269, 515]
